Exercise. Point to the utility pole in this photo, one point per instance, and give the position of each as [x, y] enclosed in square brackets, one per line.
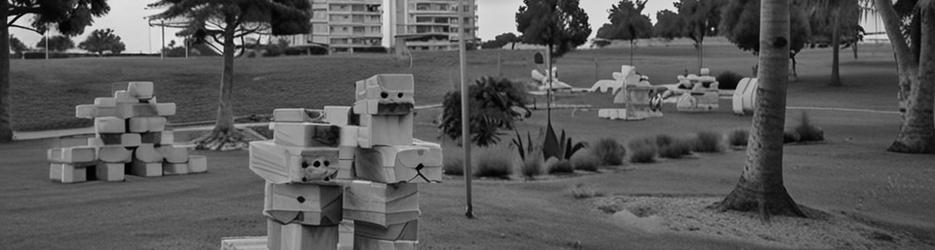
[465, 112]
[162, 52]
[46, 37]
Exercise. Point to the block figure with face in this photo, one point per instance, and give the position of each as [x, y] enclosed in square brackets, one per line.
[389, 94]
[317, 205]
[283, 164]
[396, 164]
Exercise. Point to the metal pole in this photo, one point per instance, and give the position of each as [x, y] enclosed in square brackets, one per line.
[465, 114]
[46, 37]
[185, 40]
[548, 92]
[162, 52]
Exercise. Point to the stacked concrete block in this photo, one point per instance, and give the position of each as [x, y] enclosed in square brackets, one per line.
[639, 99]
[703, 96]
[345, 177]
[130, 137]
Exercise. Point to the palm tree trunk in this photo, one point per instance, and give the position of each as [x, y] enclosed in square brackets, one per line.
[6, 124]
[906, 62]
[836, 49]
[760, 187]
[917, 134]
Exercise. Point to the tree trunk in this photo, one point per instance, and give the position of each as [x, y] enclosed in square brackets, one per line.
[906, 62]
[917, 134]
[835, 50]
[760, 187]
[6, 123]
[225, 136]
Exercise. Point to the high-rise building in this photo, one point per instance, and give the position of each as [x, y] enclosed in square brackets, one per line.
[368, 25]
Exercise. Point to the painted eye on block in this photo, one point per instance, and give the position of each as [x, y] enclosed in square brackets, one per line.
[301, 199]
[326, 163]
[304, 164]
[316, 164]
[400, 95]
[384, 95]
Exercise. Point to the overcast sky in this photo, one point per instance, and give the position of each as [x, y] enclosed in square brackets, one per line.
[127, 19]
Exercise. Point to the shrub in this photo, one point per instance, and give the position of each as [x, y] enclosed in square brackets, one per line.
[557, 166]
[609, 152]
[790, 136]
[676, 149]
[643, 150]
[493, 162]
[585, 160]
[532, 167]
[708, 142]
[728, 80]
[738, 138]
[495, 104]
[664, 140]
[453, 164]
[808, 132]
[581, 191]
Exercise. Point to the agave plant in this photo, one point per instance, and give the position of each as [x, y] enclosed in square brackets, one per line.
[523, 148]
[561, 147]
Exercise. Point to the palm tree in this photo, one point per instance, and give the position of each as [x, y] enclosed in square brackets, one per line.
[916, 71]
[760, 187]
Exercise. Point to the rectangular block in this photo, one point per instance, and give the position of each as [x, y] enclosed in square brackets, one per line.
[346, 235]
[348, 136]
[65, 142]
[68, 173]
[146, 169]
[381, 204]
[173, 154]
[298, 115]
[244, 243]
[166, 137]
[105, 101]
[76, 154]
[274, 235]
[346, 153]
[364, 243]
[90, 111]
[306, 134]
[385, 95]
[110, 171]
[175, 169]
[114, 154]
[297, 236]
[395, 164]
[55, 171]
[338, 115]
[384, 130]
[146, 124]
[403, 231]
[140, 90]
[282, 164]
[125, 140]
[147, 153]
[109, 125]
[306, 204]
[197, 163]
[346, 170]
[128, 110]
[122, 96]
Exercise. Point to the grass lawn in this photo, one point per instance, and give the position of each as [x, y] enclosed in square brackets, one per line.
[850, 175]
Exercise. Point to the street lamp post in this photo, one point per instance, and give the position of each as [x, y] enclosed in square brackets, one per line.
[465, 115]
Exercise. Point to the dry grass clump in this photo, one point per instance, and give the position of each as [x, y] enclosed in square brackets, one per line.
[708, 142]
[609, 152]
[643, 150]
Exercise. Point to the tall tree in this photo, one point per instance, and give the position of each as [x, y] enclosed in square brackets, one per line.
[560, 25]
[760, 187]
[830, 20]
[668, 25]
[224, 21]
[102, 40]
[69, 17]
[627, 23]
[915, 69]
[700, 18]
[56, 43]
[740, 24]
[17, 46]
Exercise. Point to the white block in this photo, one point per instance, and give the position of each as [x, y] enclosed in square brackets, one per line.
[381, 204]
[55, 171]
[245, 243]
[346, 235]
[197, 163]
[173, 154]
[146, 124]
[71, 174]
[122, 96]
[165, 109]
[128, 110]
[395, 164]
[391, 87]
[175, 169]
[76, 154]
[126, 140]
[147, 153]
[298, 115]
[317, 205]
[376, 244]
[140, 90]
[337, 115]
[346, 153]
[306, 134]
[348, 136]
[402, 231]
[385, 130]
[110, 171]
[90, 111]
[166, 137]
[146, 169]
[114, 154]
[105, 101]
[346, 169]
[282, 164]
[297, 236]
[109, 125]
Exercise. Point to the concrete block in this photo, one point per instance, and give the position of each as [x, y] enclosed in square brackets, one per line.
[114, 154]
[244, 243]
[70, 173]
[381, 204]
[197, 163]
[145, 169]
[402, 231]
[175, 169]
[297, 236]
[306, 204]
[282, 164]
[346, 170]
[140, 90]
[125, 140]
[385, 130]
[110, 171]
[109, 125]
[173, 154]
[147, 153]
[105, 102]
[395, 164]
[76, 154]
[146, 124]
[385, 95]
[364, 243]
[306, 134]
[338, 115]
[90, 111]
[299, 115]
[129, 110]
[122, 96]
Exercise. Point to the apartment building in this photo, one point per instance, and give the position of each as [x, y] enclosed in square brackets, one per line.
[348, 26]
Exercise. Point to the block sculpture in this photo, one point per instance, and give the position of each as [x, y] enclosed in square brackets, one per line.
[639, 99]
[130, 137]
[703, 95]
[744, 98]
[345, 177]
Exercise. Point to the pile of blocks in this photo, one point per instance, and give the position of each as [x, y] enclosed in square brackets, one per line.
[703, 94]
[640, 100]
[345, 177]
[130, 137]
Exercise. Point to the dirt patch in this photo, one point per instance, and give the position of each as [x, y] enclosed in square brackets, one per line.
[691, 215]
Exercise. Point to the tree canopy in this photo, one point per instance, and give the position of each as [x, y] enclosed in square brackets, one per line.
[502, 40]
[57, 43]
[627, 22]
[102, 40]
[740, 24]
[17, 46]
[668, 25]
[560, 24]
[822, 15]
[700, 18]
[69, 17]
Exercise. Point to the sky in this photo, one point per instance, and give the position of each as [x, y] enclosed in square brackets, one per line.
[128, 20]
